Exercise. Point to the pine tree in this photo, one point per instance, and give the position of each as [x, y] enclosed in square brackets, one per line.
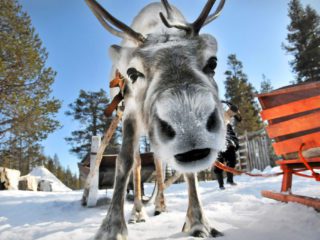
[265, 85]
[50, 165]
[88, 110]
[27, 110]
[241, 93]
[304, 41]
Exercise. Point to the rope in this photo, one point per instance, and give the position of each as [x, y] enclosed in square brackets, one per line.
[239, 172]
[297, 172]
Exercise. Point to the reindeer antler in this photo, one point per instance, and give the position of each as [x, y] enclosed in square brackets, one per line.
[215, 14]
[195, 27]
[104, 17]
[168, 8]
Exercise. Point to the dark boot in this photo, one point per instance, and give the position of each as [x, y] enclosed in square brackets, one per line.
[220, 180]
[230, 179]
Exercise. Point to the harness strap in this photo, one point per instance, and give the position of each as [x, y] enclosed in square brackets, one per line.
[113, 105]
[118, 81]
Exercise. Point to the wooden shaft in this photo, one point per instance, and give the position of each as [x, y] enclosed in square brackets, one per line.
[104, 143]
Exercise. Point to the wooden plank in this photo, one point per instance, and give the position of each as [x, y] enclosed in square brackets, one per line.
[291, 89]
[292, 145]
[298, 124]
[284, 197]
[291, 108]
[294, 161]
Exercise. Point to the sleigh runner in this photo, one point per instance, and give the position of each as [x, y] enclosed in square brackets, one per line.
[293, 114]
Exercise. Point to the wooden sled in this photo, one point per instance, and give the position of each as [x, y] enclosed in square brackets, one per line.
[107, 171]
[293, 115]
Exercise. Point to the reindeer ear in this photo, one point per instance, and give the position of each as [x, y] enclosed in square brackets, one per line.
[114, 52]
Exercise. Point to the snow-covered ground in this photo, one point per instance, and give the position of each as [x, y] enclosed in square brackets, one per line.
[239, 212]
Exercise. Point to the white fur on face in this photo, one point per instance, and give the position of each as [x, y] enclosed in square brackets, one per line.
[188, 116]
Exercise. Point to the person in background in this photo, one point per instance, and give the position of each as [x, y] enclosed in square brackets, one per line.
[232, 142]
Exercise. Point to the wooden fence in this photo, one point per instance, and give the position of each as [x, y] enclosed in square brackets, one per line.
[255, 151]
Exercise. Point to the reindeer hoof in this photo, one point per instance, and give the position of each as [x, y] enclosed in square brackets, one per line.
[215, 233]
[156, 213]
[116, 235]
[202, 234]
[132, 221]
[199, 234]
[138, 216]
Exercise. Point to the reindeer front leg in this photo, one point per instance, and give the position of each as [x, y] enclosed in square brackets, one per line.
[114, 226]
[196, 222]
[138, 213]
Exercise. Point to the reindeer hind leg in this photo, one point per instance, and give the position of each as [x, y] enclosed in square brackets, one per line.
[138, 213]
[160, 204]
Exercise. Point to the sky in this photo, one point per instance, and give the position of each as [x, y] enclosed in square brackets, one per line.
[78, 45]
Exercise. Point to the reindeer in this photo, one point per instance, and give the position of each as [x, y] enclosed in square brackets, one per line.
[170, 95]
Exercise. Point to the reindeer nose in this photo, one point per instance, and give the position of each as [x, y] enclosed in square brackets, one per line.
[166, 131]
[193, 155]
[213, 121]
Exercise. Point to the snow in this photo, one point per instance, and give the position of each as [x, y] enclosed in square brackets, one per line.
[240, 212]
[41, 173]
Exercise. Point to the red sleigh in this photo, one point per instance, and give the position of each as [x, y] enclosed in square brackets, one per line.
[293, 115]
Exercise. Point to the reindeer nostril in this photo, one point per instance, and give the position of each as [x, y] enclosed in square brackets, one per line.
[213, 121]
[166, 130]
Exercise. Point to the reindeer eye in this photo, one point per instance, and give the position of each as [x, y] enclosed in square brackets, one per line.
[134, 74]
[210, 66]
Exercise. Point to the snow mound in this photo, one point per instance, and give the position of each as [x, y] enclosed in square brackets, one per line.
[41, 173]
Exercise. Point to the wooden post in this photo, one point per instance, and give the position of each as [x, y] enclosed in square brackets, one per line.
[247, 151]
[286, 179]
[94, 186]
[104, 143]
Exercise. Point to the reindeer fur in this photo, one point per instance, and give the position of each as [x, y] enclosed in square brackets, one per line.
[174, 100]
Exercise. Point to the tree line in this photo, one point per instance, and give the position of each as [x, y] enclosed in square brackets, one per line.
[28, 109]
[63, 174]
